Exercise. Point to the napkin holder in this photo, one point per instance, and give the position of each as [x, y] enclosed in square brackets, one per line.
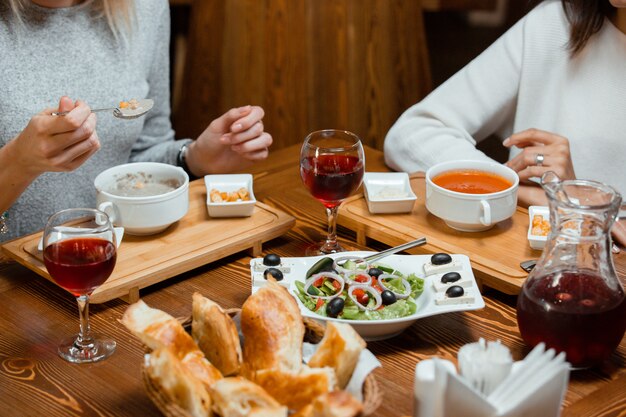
[536, 386]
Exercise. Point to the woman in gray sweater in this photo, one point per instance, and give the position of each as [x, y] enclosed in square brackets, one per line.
[99, 52]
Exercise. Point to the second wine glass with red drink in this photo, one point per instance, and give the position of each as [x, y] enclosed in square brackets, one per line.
[332, 164]
[79, 254]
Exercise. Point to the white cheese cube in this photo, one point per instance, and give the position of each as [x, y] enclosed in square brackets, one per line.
[259, 267]
[464, 282]
[258, 281]
[441, 299]
[430, 269]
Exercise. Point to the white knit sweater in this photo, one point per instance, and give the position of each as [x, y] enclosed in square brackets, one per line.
[526, 79]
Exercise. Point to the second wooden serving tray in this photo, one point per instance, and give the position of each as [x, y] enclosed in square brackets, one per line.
[495, 254]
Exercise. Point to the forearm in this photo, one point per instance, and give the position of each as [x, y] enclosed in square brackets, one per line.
[14, 179]
[531, 195]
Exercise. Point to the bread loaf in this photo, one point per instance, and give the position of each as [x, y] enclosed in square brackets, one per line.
[273, 330]
[296, 389]
[340, 349]
[332, 404]
[239, 397]
[216, 335]
[176, 381]
[157, 329]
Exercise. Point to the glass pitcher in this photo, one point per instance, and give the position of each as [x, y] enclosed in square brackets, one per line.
[573, 300]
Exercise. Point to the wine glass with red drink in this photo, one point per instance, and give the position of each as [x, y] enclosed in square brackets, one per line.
[332, 163]
[79, 251]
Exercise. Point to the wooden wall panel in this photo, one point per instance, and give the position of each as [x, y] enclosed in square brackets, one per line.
[311, 64]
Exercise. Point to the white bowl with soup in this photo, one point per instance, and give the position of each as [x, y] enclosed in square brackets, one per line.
[471, 196]
[143, 197]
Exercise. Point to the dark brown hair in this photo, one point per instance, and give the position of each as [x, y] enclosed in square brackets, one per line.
[585, 18]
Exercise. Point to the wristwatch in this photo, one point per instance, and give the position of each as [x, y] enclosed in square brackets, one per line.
[181, 160]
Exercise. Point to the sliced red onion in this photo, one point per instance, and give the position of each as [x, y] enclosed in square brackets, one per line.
[350, 281]
[315, 277]
[371, 291]
[339, 262]
[407, 286]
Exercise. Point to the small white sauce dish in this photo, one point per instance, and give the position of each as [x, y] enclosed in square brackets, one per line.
[537, 241]
[388, 192]
[230, 183]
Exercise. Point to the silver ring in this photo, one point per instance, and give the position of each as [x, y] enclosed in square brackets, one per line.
[539, 159]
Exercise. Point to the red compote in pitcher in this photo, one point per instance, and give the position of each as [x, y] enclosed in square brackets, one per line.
[573, 300]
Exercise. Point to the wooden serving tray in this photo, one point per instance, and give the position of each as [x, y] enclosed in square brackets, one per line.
[495, 254]
[195, 240]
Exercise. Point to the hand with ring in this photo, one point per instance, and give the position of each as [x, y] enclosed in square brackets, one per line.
[541, 152]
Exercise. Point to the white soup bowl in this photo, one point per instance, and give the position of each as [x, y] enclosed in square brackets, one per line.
[471, 212]
[143, 215]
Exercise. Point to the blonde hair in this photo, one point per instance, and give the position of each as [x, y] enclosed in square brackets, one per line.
[119, 14]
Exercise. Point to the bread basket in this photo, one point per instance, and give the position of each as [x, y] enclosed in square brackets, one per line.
[314, 331]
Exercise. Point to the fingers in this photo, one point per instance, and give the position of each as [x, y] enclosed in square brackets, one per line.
[527, 158]
[74, 156]
[256, 155]
[78, 134]
[65, 104]
[534, 137]
[253, 132]
[541, 151]
[250, 119]
[73, 120]
[258, 145]
[232, 117]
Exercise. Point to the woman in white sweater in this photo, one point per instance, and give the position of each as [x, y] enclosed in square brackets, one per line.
[553, 88]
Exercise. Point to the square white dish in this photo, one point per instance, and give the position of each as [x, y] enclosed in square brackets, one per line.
[388, 192]
[295, 269]
[230, 183]
[537, 241]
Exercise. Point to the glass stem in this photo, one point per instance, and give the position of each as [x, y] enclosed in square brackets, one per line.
[331, 245]
[84, 339]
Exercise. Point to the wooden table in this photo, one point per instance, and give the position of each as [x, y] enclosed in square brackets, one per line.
[35, 314]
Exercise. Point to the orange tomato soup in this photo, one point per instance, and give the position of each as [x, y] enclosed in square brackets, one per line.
[470, 181]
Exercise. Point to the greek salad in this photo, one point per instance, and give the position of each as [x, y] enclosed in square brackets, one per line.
[350, 288]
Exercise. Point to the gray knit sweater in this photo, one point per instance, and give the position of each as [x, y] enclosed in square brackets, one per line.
[67, 51]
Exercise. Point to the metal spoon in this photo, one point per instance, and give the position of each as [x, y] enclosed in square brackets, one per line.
[319, 265]
[145, 105]
[395, 249]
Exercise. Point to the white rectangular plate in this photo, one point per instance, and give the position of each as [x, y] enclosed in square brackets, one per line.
[295, 269]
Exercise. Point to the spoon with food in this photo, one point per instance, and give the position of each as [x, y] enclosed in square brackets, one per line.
[130, 109]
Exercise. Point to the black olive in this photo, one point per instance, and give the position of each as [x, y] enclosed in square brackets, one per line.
[388, 297]
[273, 272]
[455, 291]
[335, 307]
[374, 272]
[440, 259]
[450, 277]
[271, 259]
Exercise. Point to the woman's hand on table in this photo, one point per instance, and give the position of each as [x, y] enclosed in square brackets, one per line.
[541, 152]
[231, 142]
[55, 143]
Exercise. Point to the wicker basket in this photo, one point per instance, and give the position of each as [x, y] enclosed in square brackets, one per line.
[314, 331]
